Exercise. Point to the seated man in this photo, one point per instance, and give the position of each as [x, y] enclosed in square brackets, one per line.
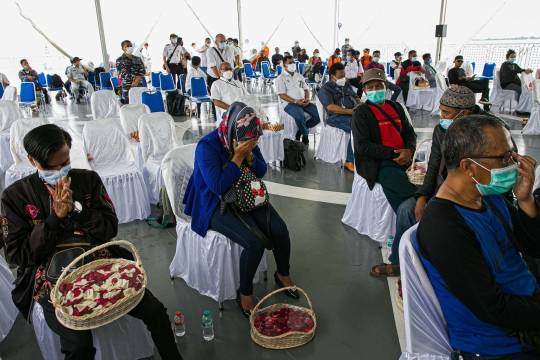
[292, 88]
[455, 103]
[457, 76]
[430, 71]
[407, 66]
[470, 240]
[77, 75]
[396, 90]
[29, 74]
[226, 89]
[277, 59]
[263, 58]
[339, 99]
[195, 72]
[354, 71]
[37, 212]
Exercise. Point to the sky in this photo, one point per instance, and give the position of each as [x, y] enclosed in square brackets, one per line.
[73, 25]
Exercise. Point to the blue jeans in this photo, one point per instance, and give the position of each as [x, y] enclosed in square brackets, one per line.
[238, 73]
[529, 355]
[405, 219]
[343, 122]
[297, 112]
[252, 254]
[396, 89]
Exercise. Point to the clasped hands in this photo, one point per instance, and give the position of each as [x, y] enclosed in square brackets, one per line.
[62, 200]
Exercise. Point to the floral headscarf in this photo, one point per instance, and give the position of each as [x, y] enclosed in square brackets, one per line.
[240, 123]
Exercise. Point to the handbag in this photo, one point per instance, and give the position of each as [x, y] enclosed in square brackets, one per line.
[74, 243]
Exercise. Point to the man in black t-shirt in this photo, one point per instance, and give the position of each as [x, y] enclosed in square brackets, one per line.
[277, 59]
[457, 76]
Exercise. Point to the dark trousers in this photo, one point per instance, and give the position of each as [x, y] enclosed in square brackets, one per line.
[478, 86]
[252, 254]
[210, 81]
[529, 355]
[395, 183]
[357, 84]
[78, 345]
[404, 85]
[176, 71]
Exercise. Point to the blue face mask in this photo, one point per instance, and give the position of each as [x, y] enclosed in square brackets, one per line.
[415, 59]
[430, 61]
[512, 60]
[445, 123]
[51, 177]
[376, 59]
[502, 180]
[175, 40]
[376, 97]
[222, 46]
[348, 58]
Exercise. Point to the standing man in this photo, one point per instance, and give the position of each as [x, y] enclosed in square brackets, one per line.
[277, 58]
[292, 89]
[353, 71]
[346, 47]
[172, 58]
[203, 51]
[147, 59]
[431, 73]
[366, 59]
[193, 52]
[77, 74]
[457, 76]
[217, 55]
[411, 64]
[130, 68]
[239, 65]
[296, 49]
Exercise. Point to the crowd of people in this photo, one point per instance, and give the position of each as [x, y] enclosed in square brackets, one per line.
[478, 216]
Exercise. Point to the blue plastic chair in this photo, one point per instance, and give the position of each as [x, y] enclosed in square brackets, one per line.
[114, 81]
[103, 77]
[297, 64]
[248, 72]
[144, 82]
[199, 92]
[28, 96]
[266, 72]
[473, 64]
[154, 77]
[487, 73]
[92, 78]
[154, 101]
[42, 79]
[279, 69]
[167, 82]
[301, 67]
[1, 90]
[61, 89]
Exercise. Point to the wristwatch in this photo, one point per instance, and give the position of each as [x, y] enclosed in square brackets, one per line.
[77, 208]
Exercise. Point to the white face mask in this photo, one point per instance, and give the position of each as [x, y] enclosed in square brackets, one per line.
[316, 54]
[291, 67]
[341, 82]
[129, 50]
[228, 74]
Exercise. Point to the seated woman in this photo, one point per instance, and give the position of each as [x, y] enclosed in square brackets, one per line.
[219, 157]
[509, 71]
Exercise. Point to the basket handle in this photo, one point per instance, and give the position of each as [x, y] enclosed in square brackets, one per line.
[256, 308]
[102, 246]
[415, 152]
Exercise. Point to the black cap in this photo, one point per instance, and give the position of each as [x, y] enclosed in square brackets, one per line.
[75, 59]
[397, 54]
[173, 35]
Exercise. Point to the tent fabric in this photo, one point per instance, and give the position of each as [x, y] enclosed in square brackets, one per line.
[7, 308]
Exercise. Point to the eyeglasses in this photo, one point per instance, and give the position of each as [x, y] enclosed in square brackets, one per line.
[505, 157]
[459, 61]
[226, 69]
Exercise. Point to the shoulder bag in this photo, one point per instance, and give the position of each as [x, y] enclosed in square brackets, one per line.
[169, 58]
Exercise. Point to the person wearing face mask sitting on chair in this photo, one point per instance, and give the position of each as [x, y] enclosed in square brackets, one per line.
[431, 73]
[130, 68]
[457, 76]
[407, 66]
[292, 88]
[225, 90]
[339, 99]
[509, 72]
[77, 75]
[376, 65]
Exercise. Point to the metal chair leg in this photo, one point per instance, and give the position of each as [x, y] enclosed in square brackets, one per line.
[220, 304]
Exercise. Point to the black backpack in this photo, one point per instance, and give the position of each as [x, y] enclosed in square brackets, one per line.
[56, 81]
[175, 103]
[294, 154]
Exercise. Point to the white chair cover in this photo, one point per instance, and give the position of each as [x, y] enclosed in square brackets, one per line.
[525, 100]
[501, 98]
[8, 310]
[425, 327]
[289, 132]
[420, 99]
[129, 118]
[467, 66]
[441, 67]
[10, 93]
[253, 101]
[210, 264]
[21, 167]
[533, 125]
[135, 94]
[104, 104]
[158, 136]
[441, 88]
[9, 112]
[113, 159]
[332, 142]
[124, 339]
[271, 145]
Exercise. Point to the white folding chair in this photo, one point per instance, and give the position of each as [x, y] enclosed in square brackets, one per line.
[333, 142]
[129, 119]
[500, 97]
[441, 88]
[135, 94]
[124, 339]
[7, 308]
[9, 112]
[158, 136]
[10, 93]
[425, 327]
[533, 125]
[210, 264]
[525, 100]
[104, 104]
[111, 156]
[290, 128]
[420, 99]
[21, 167]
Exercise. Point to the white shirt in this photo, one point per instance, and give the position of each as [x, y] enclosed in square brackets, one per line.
[76, 73]
[193, 73]
[352, 69]
[176, 57]
[291, 85]
[226, 91]
[3, 79]
[204, 55]
[213, 58]
[145, 54]
[238, 51]
[394, 63]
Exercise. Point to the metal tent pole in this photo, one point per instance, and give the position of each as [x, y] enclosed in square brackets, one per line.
[335, 26]
[240, 31]
[440, 39]
[102, 36]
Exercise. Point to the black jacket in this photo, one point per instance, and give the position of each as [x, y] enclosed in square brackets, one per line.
[30, 230]
[276, 58]
[508, 73]
[368, 149]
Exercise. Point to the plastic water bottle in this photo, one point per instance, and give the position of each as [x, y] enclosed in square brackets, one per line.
[389, 243]
[208, 326]
[179, 327]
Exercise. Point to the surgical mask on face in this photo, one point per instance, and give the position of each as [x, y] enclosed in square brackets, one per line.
[277, 51]
[445, 123]
[228, 74]
[25, 67]
[376, 59]
[376, 96]
[129, 50]
[341, 82]
[291, 67]
[502, 180]
[51, 177]
[414, 59]
[429, 61]
[222, 46]
[230, 44]
[348, 58]
[208, 44]
[512, 59]
[174, 41]
[346, 43]
[316, 54]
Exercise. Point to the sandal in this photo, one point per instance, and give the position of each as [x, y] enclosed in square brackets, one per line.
[382, 270]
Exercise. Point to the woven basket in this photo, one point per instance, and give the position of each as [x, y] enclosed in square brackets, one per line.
[287, 340]
[416, 178]
[102, 316]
